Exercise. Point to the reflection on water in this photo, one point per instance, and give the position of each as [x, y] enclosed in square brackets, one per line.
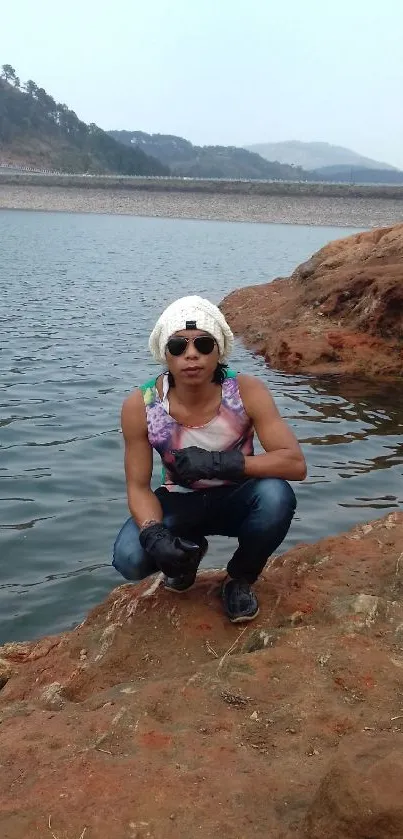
[81, 294]
[358, 411]
[348, 430]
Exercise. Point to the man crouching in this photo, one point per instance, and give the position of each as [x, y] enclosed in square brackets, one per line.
[201, 418]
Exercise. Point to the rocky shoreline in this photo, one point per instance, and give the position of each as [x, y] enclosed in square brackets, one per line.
[340, 312]
[157, 718]
[344, 211]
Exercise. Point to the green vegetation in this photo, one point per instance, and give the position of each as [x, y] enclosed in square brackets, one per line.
[187, 160]
[36, 130]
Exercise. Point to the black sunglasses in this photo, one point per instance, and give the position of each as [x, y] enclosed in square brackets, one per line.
[204, 344]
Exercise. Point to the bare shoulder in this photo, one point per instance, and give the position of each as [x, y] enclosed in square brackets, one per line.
[133, 415]
[251, 384]
[271, 428]
[255, 395]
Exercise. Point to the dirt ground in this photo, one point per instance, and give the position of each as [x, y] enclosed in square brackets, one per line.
[157, 718]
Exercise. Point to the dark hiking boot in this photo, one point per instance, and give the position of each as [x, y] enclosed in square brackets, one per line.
[240, 603]
[185, 581]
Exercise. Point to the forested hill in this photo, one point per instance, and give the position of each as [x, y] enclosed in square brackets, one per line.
[187, 160]
[36, 130]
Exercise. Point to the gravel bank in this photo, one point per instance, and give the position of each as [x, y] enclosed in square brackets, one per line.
[280, 209]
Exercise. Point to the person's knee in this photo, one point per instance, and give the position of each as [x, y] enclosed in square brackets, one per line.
[128, 556]
[274, 499]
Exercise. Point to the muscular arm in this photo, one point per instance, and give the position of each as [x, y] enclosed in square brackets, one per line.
[143, 504]
[283, 457]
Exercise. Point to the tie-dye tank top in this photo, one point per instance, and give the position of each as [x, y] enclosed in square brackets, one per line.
[231, 428]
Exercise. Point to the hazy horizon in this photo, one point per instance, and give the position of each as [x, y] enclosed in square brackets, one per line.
[231, 74]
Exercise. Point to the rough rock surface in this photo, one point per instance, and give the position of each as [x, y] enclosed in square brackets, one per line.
[157, 718]
[362, 794]
[342, 311]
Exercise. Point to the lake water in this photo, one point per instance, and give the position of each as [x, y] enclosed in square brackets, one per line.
[79, 295]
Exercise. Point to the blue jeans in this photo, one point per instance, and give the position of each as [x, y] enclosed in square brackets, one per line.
[258, 512]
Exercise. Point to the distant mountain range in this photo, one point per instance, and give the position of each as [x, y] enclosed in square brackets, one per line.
[312, 156]
[35, 130]
[186, 160]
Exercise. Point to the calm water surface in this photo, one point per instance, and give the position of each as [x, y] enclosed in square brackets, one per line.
[79, 295]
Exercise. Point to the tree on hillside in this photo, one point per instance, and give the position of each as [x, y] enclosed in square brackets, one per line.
[17, 82]
[61, 110]
[8, 72]
[31, 87]
[47, 103]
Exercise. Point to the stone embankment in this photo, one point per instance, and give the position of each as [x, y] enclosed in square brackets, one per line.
[242, 201]
[206, 185]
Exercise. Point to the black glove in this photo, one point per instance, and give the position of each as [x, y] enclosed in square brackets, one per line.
[194, 464]
[171, 554]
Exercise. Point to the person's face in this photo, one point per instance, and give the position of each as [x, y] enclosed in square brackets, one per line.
[187, 361]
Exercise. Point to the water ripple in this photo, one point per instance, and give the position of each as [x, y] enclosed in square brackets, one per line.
[80, 295]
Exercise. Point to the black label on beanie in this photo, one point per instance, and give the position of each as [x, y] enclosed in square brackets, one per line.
[190, 324]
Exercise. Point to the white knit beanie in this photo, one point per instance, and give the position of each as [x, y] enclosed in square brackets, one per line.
[198, 312]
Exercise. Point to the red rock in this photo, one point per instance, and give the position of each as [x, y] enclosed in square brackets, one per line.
[361, 795]
[342, 311]
[156, 717]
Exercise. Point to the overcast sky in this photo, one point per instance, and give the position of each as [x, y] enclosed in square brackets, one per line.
[220, 71]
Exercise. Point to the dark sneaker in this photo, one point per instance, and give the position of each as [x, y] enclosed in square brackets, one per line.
[185, 581]
[240, 603]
